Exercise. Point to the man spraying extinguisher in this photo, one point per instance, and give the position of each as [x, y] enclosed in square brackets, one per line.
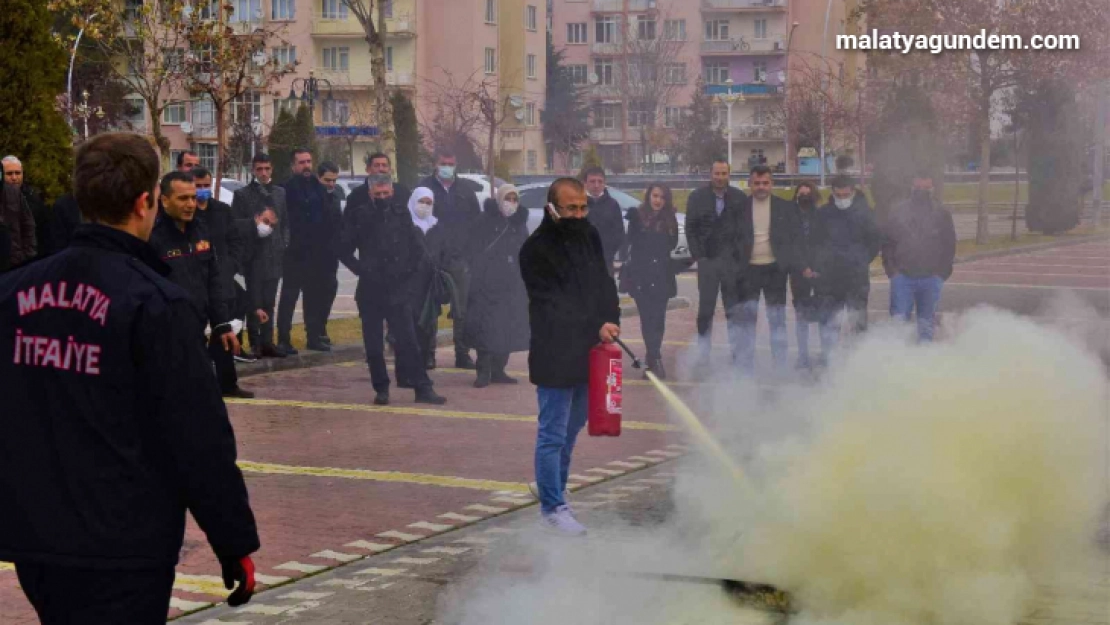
[572, 303]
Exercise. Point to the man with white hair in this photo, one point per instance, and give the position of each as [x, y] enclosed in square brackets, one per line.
[16, 215]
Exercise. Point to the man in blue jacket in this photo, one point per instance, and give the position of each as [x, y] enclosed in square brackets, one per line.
[113, 425]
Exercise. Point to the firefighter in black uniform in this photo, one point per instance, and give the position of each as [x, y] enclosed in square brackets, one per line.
[182, 242]
[113, 425]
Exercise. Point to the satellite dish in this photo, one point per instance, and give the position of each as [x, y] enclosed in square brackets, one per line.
[186, 128]
[519, 116]
[594, 79]
[516, 101]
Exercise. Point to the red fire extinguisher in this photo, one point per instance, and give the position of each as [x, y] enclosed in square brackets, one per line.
[606, 381]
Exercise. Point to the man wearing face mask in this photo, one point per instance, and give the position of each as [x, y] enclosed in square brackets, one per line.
[379, 163]
[389, 256]
[845, 240]
[456, 206]
[918, 251]
[803, 280]
[605, 214]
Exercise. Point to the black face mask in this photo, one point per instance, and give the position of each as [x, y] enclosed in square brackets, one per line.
[805, 200]
[573, 225]
[921, 197]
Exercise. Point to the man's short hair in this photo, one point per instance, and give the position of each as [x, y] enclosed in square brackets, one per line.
[199, 172]
[181, 156]
[592, 171]
[553, 190]
[760, 170]
[843, 182]
[175, 176]
[720, 161]
[112, 170]
[444, 152]
[11, 160]
[378, 180]
[297, 151]
[327, 167]
[260, 157]
[376, 155]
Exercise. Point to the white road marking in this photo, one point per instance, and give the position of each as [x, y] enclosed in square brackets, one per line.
[300, 595]
[452, 516]
[645, 459]
[270, 580]
[344, 583]
[301, 567]
[451, 551]
[262, 608]
[626, 465]
[416, 561]
[511, 500]
[369, 546]
[660, 452]
[379, 572]
[609, 472]
[433, 527]
[585, 478]
[328, 554]
[487, 509]
[187, 606]
[408, 538]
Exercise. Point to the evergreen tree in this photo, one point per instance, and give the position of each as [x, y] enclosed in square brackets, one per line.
[564, 116]
[409, 140]
[283, 138]
[1050, 116]
[699, 144]
[306, 132]
[33, 67]
[590, 160]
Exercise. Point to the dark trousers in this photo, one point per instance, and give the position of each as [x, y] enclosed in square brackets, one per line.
[319, 283]
[495, 362]
[803, 291]
[224, 361]
[770, 282]
[460, 275]
[840, 302]
[408, 355]
[653, 323]
[715, 276]
[68, 596]
[262, 334]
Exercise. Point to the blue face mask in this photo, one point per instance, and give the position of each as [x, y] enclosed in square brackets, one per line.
[203, 195]
[446, 172]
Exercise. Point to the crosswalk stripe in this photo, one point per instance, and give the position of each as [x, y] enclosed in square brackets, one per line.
[300, 567]
[608, 472]
[431, 527]
[452, 516]
[451, 551]
[402, 536]
[380, 572]
[270, 580]
[487, 509]
[187, 606]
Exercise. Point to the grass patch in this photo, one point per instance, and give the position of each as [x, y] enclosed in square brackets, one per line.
[349, 330]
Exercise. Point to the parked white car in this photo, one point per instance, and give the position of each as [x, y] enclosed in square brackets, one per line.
[483, 182]
[228, 187]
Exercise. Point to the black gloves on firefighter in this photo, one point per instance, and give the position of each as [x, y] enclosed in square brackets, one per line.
[239, 571]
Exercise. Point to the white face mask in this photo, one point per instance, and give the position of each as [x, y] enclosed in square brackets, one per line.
[844, 204]
[265, 230]
[424, 210]
[508, 209]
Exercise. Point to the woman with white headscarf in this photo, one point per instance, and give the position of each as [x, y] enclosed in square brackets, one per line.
[428, 293]
[497, 310]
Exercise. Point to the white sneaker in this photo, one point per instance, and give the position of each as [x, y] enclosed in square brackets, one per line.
[562, 522]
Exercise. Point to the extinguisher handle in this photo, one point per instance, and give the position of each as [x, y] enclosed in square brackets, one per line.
[635, 361]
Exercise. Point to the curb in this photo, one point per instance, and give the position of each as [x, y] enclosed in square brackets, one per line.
[347, 353]
[1012, 251]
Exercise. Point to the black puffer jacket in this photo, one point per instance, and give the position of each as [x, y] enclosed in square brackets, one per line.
[497, 310]
[390, 252]
[845, 242]
[571, 295]
[649, 272]
[606, 215]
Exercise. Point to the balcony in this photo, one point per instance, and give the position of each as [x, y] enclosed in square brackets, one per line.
[245, 27]
[604, 92]
[401, 26]
[512, 140]
[744, 47]
[332, 25]
[606, 135]
[607, 49]
[743, 5]
[345, 78]
[748, 90]
[400, 79]
[755, 133]
[617, 6]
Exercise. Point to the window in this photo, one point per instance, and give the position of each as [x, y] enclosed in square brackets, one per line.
[636, 153]
[640, 114]
[642, 72]
[334, 10]
[387, 8]
[759, 69]
[533, 160]
[173, 59]
[761, 116]
[674, 30]
[530, 114]
[606, 30]
[604, 70]
[204, 9]
[389, 58]
[285, 56]
[720, 115]
[131, 9]
[645, 27]
[716, 73]
[531, 63]
[137, 120]
[576, 160]
[672, 115]
[716, 30]
[491, 11]
[208, 153]
[530, 17]
[337, 59]
[675, 74]
[491, 61]
[336, 112]
[283, 9]
[246, 11]
[174, 113]
[204, 117]
[606, 116]
[761, 29]
[247, 107]
[576, 33]
[579, 74]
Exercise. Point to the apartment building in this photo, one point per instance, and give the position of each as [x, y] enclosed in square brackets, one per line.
[741, 49]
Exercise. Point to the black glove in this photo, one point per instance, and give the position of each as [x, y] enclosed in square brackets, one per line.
[239, 571]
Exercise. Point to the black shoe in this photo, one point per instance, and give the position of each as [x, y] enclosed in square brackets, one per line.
[272, 351]
[500, 377]
[287, 349]
[381, 398]
[318, 346]
[403, 384]
[325, 340]
[463, 361]
[428, 396]
[239, 393]
[245, 357]
[483, 379]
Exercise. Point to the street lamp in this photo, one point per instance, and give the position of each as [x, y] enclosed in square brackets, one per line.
[310, 90]
[729, 98]
[824, 58]
[84, 112]
[783, 75]
[72, 60]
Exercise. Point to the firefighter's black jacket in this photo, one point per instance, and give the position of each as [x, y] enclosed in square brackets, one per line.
[195, 267]
[112, 425]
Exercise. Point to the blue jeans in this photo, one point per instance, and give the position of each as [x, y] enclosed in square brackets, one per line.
[562, 415]
[924, 293]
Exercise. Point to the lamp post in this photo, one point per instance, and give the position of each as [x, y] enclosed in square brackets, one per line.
[310, 90]
[824, 53]
[729, 99]
[784, 74]
[69, 80]
[84, 112]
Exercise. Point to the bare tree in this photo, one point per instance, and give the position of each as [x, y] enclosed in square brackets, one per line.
[371, 14]
[469, 107]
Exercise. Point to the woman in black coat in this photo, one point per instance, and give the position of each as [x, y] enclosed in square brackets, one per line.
[649, 276]
[427, 292]
[497, 309]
